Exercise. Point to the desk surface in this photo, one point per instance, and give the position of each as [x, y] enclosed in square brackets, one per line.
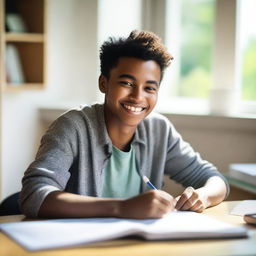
[245, 246]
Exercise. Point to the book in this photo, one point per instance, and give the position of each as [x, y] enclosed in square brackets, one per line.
[14, 71]
[49, 234]
[243, 172]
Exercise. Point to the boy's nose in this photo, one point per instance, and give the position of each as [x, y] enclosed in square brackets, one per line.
[137, 93]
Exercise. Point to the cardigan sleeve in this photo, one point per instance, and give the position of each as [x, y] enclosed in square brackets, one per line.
[50, 170]
[186, 166]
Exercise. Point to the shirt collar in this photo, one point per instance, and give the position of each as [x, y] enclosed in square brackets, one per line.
[103, 139]
[138, 136]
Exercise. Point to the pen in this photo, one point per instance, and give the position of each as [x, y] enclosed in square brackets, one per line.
[147, 181]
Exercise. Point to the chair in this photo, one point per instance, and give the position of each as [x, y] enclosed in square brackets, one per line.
[10, 205]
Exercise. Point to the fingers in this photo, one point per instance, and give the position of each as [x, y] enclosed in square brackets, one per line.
[167, 200]
[163, 196]
[151, 204]
[161, 203]
[187, 199]
[197, 207]
[190, 200]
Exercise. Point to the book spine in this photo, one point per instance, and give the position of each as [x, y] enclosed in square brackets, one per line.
[14, 69]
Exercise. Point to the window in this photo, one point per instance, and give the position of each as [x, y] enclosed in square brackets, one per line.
[196, 48]
[214, 48]
[247, 37]
[194, 32]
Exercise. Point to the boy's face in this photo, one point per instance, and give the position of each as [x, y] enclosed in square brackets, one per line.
[131, 91]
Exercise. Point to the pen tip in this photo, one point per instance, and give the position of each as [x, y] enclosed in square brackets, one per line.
[145, 179]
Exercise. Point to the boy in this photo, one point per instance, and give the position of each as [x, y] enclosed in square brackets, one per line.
[91, 160]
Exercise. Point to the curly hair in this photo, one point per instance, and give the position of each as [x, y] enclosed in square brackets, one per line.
[140, 44]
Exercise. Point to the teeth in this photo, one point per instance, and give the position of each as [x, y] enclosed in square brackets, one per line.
[133, 109]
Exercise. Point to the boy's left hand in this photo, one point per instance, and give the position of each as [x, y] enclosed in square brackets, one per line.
[191, 200]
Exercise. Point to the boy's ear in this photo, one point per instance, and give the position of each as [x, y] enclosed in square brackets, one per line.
[102, 83]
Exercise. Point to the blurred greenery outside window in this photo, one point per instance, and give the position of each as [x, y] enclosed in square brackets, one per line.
[248, 48]
[196, 42]
[196, 49]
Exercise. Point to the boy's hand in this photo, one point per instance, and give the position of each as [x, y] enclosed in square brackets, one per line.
[151, 204]
[190, 200]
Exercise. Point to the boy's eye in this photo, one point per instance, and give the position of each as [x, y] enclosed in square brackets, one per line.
[151, 89]
[126, 83]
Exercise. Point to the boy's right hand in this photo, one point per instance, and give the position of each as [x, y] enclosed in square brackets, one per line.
[151, 204]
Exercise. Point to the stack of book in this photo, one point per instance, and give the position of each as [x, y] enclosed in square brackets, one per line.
[243, 172]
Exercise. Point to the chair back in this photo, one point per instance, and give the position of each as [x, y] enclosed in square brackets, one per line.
[10, 205]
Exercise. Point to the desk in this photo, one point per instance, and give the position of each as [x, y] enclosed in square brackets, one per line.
[132, 247]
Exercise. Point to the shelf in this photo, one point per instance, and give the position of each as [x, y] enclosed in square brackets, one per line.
[31, 56]
[21, 87]
[22, 54]
[24, 37]
[31, 13]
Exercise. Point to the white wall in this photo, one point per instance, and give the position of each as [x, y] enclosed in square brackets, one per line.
[117, 18]
[72, 76]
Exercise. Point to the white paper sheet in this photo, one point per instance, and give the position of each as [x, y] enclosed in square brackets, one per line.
[245, 207]
[48, 234]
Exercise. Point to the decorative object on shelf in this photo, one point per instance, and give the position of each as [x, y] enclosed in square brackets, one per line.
[15, 23]
[14, 69]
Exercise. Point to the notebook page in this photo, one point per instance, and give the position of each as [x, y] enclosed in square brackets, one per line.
[181, 225]
[40, 235]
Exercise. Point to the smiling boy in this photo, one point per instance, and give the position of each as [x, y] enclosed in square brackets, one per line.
[91, 160]
[130, 95]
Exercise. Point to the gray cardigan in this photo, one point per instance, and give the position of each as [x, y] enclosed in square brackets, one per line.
[75, 150]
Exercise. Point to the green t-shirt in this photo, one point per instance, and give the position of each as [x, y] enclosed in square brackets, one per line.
[122, 179]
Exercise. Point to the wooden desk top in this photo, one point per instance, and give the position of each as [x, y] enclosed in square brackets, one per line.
[133, 247]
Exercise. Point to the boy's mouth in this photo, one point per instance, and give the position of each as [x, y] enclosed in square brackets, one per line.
[134, 109]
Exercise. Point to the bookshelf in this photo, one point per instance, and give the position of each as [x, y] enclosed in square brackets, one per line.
[22, 45]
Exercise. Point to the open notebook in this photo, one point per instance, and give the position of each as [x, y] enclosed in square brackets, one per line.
[47, 234]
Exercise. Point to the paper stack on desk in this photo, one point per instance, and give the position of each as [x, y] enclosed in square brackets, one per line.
[48, 234]
[245, 207]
